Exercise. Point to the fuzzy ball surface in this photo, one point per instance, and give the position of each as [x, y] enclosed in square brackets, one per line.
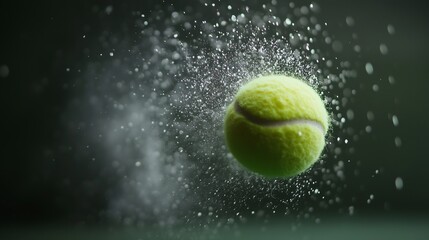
[276, 126]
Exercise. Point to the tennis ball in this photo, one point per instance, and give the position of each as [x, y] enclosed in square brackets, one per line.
[276, 126]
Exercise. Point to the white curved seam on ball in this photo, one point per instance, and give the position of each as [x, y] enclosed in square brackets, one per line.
[275, 123]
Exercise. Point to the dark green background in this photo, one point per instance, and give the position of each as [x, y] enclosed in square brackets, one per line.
[39, 40]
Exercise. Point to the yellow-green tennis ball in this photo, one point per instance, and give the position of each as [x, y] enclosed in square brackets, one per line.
[276, 126]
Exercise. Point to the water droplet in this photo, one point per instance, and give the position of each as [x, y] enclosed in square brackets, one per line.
[395, 120]
[304, 10]
[398, 142]
[350, 21]
[350, 114]
[351, 210]
[370, 116]
[383, 49]
[391, 29]
[357, 48]
[109, 9]
[368, 129]
[399, 183]
[369, 68]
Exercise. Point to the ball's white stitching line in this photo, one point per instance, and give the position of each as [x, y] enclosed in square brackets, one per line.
[274, 123]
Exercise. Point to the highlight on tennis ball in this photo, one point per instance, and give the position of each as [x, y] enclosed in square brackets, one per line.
[276, 126]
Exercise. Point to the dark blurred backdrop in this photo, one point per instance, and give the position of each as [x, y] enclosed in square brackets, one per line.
[39, 40]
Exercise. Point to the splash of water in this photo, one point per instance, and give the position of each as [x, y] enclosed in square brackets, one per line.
[157, 107]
